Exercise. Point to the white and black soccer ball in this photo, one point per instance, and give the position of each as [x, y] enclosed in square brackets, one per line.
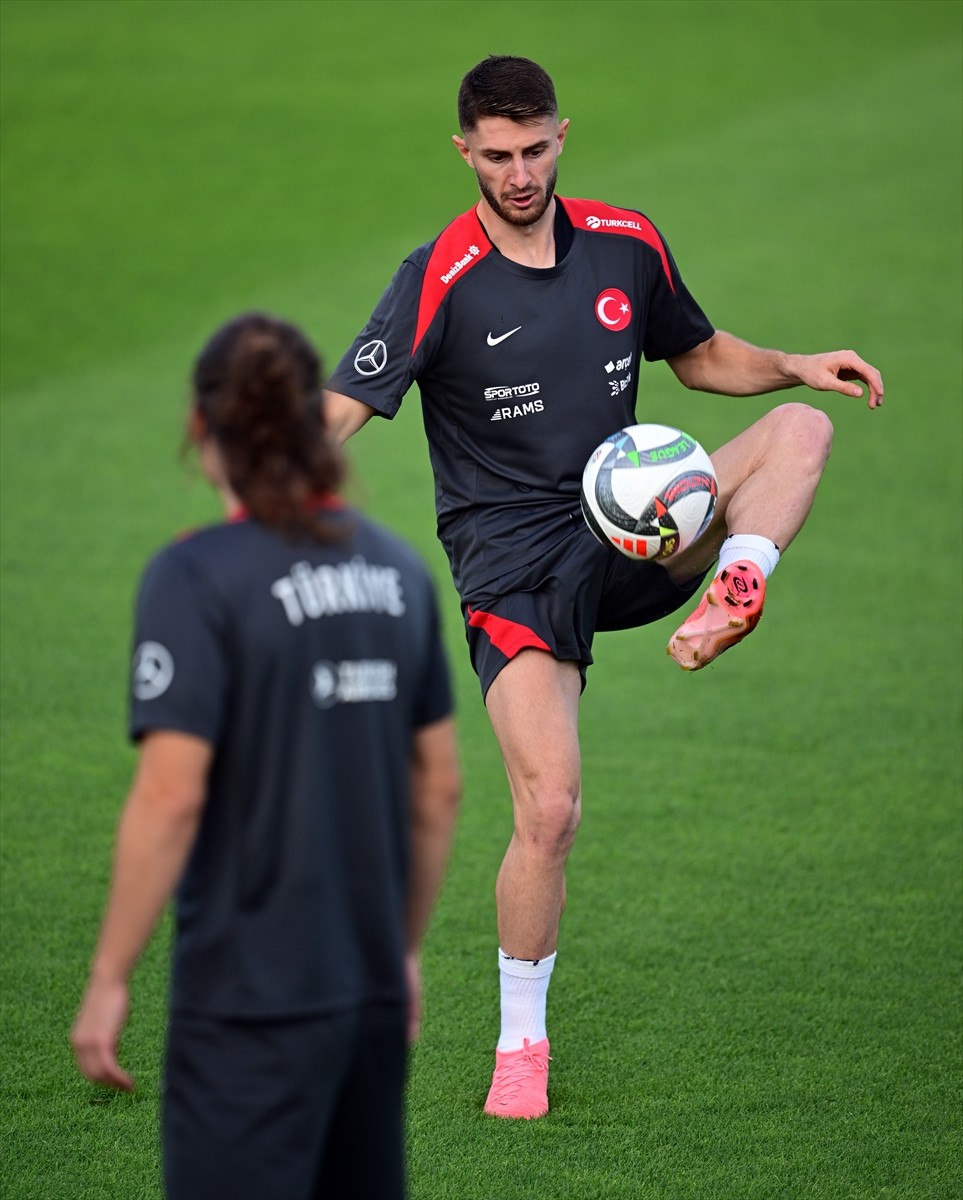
[649, 491]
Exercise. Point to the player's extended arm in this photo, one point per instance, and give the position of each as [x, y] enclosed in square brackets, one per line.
[435, 794]
[154, 837]
[732, 367]
[344, 416]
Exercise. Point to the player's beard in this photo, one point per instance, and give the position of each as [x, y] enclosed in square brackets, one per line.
[522, 217]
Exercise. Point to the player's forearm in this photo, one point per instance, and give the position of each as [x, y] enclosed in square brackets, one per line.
[153, 843]
[729, 366]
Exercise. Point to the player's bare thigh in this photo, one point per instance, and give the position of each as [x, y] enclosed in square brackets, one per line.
[792, 441]
[533, 707]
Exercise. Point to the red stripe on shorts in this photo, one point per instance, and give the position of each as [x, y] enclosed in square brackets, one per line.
[507, 636]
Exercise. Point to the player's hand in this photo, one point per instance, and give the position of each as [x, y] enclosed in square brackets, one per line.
[842, 371]
[96, 1031]
[413, 973]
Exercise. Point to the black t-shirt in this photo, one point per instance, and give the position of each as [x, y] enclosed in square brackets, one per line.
[522, 371]
[309, 668]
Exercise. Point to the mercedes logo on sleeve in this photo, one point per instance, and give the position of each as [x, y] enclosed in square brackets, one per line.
[153, 670]
[371, 358]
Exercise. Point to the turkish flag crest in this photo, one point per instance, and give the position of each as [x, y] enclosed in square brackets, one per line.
[613, 309]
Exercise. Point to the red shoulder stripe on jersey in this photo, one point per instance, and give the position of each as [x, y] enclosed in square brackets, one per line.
[508, 636]
[596, 217]
[458, 248]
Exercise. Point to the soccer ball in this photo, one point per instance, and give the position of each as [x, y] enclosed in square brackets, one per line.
[649, 491]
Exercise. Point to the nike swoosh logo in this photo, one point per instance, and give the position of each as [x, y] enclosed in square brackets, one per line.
[493, 341]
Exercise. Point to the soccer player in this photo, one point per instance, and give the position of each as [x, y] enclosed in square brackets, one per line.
[297, 782]
[524, 324]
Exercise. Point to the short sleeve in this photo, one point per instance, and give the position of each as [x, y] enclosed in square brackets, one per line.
[378, 367]
[179, 673]
[675, 321]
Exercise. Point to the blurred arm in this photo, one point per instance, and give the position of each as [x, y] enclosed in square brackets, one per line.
[435, 794]
[156, 832]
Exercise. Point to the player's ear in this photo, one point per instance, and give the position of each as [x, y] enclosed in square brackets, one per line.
[462, 147]
[562, 131]
[196, 427]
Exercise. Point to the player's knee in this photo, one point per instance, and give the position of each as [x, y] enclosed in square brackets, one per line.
[809, 430]
[552, 823]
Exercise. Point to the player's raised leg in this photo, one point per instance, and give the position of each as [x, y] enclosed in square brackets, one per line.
[768, 478]
[533, 707]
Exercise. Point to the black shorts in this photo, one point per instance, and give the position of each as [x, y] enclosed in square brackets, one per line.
[576, 589]
[285, 1109]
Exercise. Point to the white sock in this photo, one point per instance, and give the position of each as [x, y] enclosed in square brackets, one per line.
[760, 550]
[524, 988]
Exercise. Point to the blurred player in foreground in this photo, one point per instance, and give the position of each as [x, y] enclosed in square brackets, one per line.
[297, 783]
[524, 324]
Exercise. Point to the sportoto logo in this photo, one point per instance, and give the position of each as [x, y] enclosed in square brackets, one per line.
[153, 670]
[613, 309]
[371, 358]
[512, 393]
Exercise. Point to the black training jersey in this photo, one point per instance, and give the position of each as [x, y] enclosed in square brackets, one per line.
[308, 667]
[522, 371]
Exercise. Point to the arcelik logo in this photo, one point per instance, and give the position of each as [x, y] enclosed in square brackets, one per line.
[613, 309]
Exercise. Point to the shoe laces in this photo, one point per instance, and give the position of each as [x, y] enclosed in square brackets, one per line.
[515, 1074]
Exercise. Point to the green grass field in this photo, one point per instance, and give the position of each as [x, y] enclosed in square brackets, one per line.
[757, 994]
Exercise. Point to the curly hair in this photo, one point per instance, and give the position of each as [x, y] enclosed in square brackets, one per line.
[258, 387]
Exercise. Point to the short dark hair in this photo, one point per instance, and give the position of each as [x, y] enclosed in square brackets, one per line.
[503, 85]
